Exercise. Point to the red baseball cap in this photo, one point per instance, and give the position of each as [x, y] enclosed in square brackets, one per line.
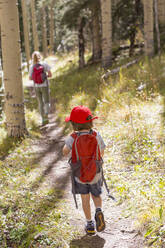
[80, 114]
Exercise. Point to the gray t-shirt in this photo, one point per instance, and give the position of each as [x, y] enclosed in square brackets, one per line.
[46, 69]
[69, 142]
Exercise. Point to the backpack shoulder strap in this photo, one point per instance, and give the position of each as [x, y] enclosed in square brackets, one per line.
[34, 66]
[37, 65]
[74, 135]
[93, 132]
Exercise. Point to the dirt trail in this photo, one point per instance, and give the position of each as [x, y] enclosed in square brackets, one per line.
[119, 232]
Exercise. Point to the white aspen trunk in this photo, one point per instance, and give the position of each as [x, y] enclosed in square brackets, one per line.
[34, 26]
[52, 27]
[106, 33]
[44, 33]
[26, 31]
[148, 27]
[161, 12]
[96, 39]
[157, 25]
[14, 101]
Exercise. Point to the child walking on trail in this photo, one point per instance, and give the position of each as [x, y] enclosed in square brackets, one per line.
[87, 147]
[39, 72]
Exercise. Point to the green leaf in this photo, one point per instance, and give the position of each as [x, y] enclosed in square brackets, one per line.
[149, 231]
[161, 212]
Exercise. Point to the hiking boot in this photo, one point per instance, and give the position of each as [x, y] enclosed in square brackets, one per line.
[100, 223]
[90, 228]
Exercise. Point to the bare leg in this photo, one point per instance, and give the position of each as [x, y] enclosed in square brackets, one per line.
[86, 205]
[97, 201]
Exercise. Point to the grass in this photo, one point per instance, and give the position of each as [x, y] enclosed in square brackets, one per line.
[78, 87]
[131, 109]
[135, 155]
[31, 214]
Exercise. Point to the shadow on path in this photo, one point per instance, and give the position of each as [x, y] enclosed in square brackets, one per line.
[88, 242]
[48, 152]
[45, 205]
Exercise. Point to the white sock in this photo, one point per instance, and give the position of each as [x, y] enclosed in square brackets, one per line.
[88, 220]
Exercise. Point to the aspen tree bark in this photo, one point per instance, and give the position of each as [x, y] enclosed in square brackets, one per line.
[148, 27]
[26, 31]
[44, 33]
[157, 25]
[52, 27]
[106, 33]
[161, 12]
[34, 26]
[96, 39]
[14, 101]
[1, 50]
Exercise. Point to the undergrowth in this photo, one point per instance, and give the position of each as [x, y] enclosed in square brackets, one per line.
[73, 86]
[31, 215]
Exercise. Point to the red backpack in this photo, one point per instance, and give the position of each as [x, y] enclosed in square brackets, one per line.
[38, 75]
[86, 160]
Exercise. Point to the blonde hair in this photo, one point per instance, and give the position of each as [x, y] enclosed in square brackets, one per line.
[36, 57]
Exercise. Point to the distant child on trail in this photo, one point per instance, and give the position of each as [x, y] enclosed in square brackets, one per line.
[87, 148]
[39, 72]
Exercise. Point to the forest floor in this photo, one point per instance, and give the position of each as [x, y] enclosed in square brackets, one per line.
[120, 231]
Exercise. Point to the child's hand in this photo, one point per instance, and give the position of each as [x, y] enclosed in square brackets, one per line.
[102, 153]
[65, 150]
